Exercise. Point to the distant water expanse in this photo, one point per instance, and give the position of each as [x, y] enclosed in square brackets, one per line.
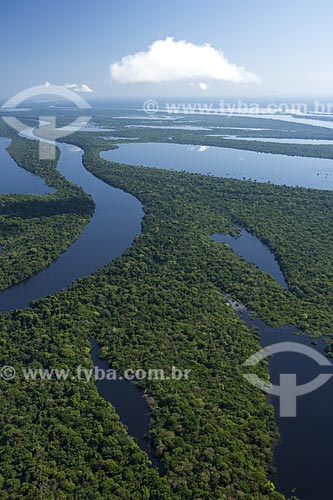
[226, 162]
[275, 139]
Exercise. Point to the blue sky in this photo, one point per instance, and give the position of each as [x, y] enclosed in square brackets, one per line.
[286, 43]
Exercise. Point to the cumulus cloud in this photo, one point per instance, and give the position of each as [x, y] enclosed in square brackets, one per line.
[83, 88]
[169, 60]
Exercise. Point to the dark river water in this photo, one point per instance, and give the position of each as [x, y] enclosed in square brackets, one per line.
[303, 455]
[129, 403]
[253, 250]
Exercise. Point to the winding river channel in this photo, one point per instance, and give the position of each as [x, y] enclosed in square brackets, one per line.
[116, 221]
[303, 455]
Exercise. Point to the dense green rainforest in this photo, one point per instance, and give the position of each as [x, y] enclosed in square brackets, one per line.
[34, 229]
[160, 305]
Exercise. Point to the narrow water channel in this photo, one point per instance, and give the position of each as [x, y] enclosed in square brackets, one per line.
[249, 247]
[129, 403]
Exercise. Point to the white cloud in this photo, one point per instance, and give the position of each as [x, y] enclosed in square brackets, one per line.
[168, 60]
[78, 88]
[203, 86]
